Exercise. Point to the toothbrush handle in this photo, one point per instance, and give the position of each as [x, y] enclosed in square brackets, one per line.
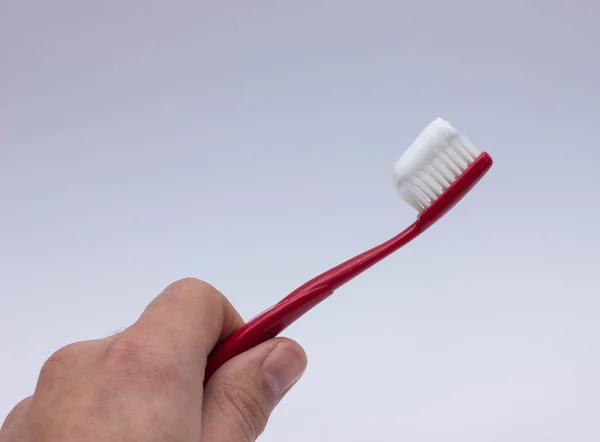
[273, 321]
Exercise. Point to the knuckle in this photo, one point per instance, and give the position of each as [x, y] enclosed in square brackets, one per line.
[134, 357]
[245, 406]
[188, 292]
[192, 294]
[59, 363]
[15, 415]
[191, 285]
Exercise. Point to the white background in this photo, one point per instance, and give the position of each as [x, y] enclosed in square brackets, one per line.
[251, 144]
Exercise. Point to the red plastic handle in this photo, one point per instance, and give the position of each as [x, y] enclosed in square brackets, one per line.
[273, 321]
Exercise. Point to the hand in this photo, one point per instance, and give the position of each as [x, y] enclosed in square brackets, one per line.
[146, 383]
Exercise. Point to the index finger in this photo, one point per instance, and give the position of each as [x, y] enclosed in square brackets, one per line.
[186, 321]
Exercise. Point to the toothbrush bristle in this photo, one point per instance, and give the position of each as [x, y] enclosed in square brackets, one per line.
[432, 163]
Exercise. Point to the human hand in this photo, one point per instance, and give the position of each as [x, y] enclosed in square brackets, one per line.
[146, 383]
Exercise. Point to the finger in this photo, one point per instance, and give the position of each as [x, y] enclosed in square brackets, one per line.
[241, 395]
[186, 320]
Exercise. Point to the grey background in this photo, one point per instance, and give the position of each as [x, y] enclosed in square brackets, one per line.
[251, 144]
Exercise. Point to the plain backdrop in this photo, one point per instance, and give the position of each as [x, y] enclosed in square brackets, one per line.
[250, 144]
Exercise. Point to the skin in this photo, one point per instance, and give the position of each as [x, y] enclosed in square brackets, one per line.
[146, 383]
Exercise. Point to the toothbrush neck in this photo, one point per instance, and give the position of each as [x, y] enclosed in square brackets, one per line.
[326, 283]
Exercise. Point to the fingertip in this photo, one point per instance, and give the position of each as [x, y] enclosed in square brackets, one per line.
[284, 365]
[241, 394]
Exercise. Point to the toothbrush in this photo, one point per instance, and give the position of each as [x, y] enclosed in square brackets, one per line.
[437, 170]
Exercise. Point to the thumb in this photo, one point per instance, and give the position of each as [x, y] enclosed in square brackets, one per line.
[241, 395]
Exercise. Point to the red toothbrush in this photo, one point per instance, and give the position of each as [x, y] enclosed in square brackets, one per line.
[436, 172]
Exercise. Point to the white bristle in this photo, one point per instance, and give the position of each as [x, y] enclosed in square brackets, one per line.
[432, 163]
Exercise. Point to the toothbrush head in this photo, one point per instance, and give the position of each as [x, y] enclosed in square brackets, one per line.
[438, 169]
